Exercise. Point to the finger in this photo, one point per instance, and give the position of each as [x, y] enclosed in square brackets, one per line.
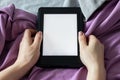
[92, 40]
[82, 40]
[29, 32]
[27, 36]
[37, 40]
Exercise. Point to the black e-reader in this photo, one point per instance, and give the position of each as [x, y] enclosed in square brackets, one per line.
[60, 27]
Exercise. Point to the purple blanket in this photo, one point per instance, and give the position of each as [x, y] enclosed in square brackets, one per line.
[104, 24]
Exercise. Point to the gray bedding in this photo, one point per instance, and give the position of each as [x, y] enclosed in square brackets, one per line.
[87, 6]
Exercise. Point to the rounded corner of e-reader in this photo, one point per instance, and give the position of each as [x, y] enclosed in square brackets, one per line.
[62, 51]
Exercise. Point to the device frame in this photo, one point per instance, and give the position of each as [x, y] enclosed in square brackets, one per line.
[59, 61]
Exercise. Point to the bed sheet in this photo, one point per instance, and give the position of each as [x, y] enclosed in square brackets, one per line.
[33, 5]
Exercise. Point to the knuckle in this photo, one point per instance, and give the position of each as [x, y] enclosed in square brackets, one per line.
[34, 46]
[95, 41]
[27, 30]
[81, 39]
[93, 38]
[82, 47]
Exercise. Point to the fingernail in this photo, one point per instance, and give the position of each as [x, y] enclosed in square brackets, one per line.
[39, 33]
[80, 33]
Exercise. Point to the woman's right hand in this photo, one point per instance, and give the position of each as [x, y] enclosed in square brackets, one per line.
[29, 50]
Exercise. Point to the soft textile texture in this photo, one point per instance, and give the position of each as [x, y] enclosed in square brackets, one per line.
[104, 24]
[87, 6]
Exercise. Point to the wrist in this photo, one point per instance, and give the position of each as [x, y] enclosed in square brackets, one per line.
[96, 69]
[19, 69]
[96, 66]
[21, 66]
[97, 73]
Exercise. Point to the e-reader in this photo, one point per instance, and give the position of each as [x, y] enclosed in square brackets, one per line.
[60, 27]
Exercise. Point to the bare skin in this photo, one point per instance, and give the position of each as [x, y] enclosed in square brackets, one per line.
[92, 55]
[27, 57]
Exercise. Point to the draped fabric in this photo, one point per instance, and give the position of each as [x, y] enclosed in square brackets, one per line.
[104, 24]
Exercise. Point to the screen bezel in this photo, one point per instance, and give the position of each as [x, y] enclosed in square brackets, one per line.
[59, 61]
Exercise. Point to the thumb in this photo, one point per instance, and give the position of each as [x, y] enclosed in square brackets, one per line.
[82, 40]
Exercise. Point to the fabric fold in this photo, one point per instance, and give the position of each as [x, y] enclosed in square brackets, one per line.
[104, 24]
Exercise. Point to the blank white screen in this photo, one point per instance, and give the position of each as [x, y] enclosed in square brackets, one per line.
[60, 35]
